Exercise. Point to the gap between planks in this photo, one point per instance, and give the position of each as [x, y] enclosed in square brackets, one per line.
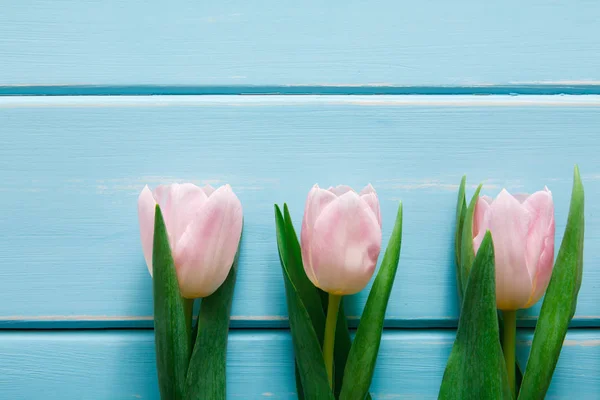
[525, 88]
[243, 322]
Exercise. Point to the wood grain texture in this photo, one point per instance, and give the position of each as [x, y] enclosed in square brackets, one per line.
[119, 365]
[72, 168]
[407, 42]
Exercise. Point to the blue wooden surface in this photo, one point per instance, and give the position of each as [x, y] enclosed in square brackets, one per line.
[119, 365]
[72, 168]
[407, 42]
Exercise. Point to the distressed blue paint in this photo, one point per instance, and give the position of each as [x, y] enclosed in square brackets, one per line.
[178, 90]
[340, 42]
[72, 168]
[120, 365]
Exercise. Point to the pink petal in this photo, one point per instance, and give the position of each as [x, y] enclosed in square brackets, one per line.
[340, 190]
[544, 270]
[480, 224]
[146, 209]
[208, 190]
[540, 241]
[487, 199]
[316, 201]
[179, 204]
[509, 222]
[369, 195]
[345, 245]
[521, 197]
[204, 254]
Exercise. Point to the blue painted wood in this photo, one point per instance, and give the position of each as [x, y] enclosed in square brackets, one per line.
[180, 90]
[119, 365]
[72, 168]
[407, 42]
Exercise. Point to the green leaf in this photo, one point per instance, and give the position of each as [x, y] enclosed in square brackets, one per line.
[559, 303]
[307, 349]
[363, 353]
[461, 210]
[172, 317]
[343, 343]
[207, 371]
[467, 253]
[476, 368]
[308, 293]
[307, 318]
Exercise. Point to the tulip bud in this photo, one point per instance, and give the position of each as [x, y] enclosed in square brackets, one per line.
[522, 228]
[204, 227]
[341, 238]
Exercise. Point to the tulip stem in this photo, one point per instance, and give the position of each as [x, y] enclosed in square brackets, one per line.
[509, 344]
[332, 313]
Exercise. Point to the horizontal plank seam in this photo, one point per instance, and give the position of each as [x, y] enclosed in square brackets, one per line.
[152, 90]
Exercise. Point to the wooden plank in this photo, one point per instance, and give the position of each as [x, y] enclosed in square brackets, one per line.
[407, 42]
[72, 168]
[120, 365]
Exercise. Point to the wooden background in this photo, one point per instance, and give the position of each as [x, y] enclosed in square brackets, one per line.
[98, 98]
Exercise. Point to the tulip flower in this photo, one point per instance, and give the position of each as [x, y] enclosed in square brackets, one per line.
[340, 242]
[522, 228]
[341, 238]
[204, 227]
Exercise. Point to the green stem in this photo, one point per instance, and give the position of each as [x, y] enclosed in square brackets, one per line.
[509, 344]
[332, 312]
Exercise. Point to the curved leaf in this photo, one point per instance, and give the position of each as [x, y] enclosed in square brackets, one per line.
[476, 368]
[467, 253]
[363, 353]
[307, 349]
[172, 317]
[307, 292]
[299, 292]
[461, 211]
[559, 303]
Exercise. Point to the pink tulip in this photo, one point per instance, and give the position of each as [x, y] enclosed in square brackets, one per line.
[204, 226]
[522, 228]
[341, 238]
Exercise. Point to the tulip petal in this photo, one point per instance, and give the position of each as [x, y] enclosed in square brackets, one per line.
[146, 207]
[509, 222]
[208, 190]
[345, 245]
[540, 241]
[179, 204]
[206, 250]
[521, 197]
[480, 224]
[316, 201]
[340, 190]
[369, 195]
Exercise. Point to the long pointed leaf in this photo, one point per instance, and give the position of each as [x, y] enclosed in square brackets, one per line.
[343, 344]
[559, 303]
[461, 270]
[207, 371]
[307, 349]
[476, 368]
[363, 353]
[467, 253]
[306, 290]
[304, 293]
[172, 317]
[461, 210]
